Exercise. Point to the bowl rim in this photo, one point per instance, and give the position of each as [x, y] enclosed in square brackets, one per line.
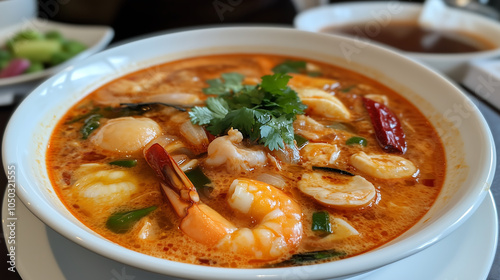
[303, 16]
[11, 149]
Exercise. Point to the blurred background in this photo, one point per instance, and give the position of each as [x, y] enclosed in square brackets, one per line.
[131, 18]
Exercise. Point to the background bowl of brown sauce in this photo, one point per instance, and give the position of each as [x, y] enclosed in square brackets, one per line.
[395, 25]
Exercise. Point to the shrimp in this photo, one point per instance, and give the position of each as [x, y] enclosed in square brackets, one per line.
[126, 135]
[127, 91]
[99, 187]
[322, 154]
[146, 83]
[344, 192]
[320, 102]
[383, 166]
[310, 128]
[227, 150]
[278, 230]
[180, 153]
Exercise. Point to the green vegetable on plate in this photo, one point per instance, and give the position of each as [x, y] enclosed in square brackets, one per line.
[42, 50]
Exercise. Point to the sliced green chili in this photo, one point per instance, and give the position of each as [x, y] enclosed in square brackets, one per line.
[90, 124]
[302, 258]
[123, 221]
[317, 255]
[331, 169]
[198, 178]
[321, 222]
[124, 162]
[301, 141]
[356, 140]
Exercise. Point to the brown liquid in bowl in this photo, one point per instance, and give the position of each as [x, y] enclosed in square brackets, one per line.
[409, 36]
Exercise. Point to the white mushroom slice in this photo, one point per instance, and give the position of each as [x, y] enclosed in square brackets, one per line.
[126, 135]
[383, 166]
[352, 192]
[148, 229]
[319, 102]
[195, 135]
[321, 154]
[340, 230]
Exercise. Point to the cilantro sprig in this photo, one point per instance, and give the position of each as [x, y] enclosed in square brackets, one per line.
[263, 113]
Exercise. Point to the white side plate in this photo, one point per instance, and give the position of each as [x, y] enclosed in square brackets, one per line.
[94, 37]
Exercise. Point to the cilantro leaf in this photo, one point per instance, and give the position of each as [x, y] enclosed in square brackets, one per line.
[263, 113]
[276, 83]
[218, 106]
[201, 115]
[230, 82]
[275, 133]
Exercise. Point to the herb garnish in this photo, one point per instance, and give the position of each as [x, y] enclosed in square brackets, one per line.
[292, 66]
[263, 113]
[122, 222]
[307, 257]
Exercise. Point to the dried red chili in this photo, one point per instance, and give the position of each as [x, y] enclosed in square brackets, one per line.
[388, 129]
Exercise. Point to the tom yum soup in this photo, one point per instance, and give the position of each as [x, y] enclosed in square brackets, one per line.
[411, 37]
[246, 161]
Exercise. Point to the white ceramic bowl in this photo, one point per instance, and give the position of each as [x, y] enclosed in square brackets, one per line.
[378, 14]
[469, 146]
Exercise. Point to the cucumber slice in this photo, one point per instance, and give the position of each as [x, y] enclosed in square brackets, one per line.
[73, 47]
[40, 50]
[34, 67]
[59, 57]
[55, 35]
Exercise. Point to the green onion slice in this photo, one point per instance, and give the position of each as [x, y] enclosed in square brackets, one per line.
[124, 162]
[331, 169]
[301, 141]
[90, 124]
[321, 222]
[198, 178]
[122, 222]
[356, 140]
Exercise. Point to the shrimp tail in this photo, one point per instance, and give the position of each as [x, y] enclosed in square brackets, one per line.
[170, 173]
[198, 221]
